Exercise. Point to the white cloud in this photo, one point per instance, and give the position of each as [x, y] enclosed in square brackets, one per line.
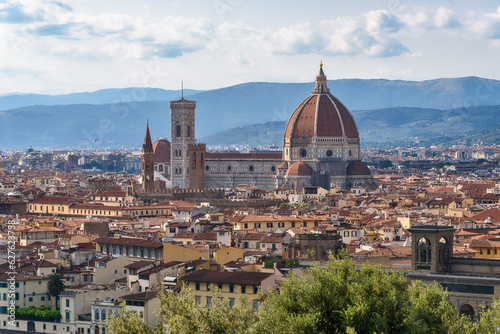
[50, 39]
[369, 35]
[487, 25]
[301, 38]
[382, 21]
[445, 18]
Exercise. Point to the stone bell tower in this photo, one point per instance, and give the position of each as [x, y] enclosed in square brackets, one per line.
[431, 248]
[182, 136]
[148, 161]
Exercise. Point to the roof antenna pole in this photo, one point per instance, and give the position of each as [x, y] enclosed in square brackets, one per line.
[182, 89]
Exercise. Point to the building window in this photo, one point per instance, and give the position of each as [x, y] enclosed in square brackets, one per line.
[67, 316]
[207, 167]
[256, 305]
[197, 299]
[243, 289]
[329, 153]
[209, 301]
[30, 299]
[231, 302]
[488, 251]
[103, 314]
[228, 168]
[208, 286]
[96, 315]
[346, 233]
[219, 286]
[67, 302]
[273, 168]
[197, 284]
[255, 289]
[231, 288]
[250, 168]
[189, 130]
[177, 130]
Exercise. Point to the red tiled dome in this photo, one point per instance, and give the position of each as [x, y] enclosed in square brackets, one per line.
[299, 168]
[358, 168]
[321, 114]
[283, 165]
[161, 147]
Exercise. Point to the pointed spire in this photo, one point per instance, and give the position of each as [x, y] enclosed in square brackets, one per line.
[321, 87]
[147, 147]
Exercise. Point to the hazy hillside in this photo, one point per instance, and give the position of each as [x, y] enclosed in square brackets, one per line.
[356, 94]
[103, 96]
[389, 126]
[78, 124]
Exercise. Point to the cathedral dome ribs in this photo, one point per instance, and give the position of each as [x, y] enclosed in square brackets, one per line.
[299, 168]
[321, 115]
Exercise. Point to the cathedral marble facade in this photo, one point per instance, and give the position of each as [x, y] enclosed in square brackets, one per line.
[321, 147]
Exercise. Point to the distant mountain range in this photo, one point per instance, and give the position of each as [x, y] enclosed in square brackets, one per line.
[389, 127]
[387, 112]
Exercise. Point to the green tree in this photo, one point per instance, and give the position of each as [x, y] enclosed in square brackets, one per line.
[182, 314]
[385, 163]
[429, 311]
[334, 298]
[128, 321]
[342, 299]
[55, 285]
[489, 320]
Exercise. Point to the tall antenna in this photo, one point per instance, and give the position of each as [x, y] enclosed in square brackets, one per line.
[182, 88]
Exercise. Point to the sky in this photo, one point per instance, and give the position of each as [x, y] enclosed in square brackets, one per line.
[58, 47]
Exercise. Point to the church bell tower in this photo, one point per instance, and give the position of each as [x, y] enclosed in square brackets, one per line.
[182, 136]
[148, 160]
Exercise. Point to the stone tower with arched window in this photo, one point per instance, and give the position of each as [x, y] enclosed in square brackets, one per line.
[432, 248]
[182, 135]
[148, 161]
[197, 166]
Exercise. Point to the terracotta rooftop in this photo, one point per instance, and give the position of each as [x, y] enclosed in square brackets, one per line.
[321, 114]
[148, 295]
[357, 168]
[138, 264]
[299, 168]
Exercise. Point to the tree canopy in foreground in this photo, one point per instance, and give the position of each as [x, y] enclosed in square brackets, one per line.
[336, 298]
